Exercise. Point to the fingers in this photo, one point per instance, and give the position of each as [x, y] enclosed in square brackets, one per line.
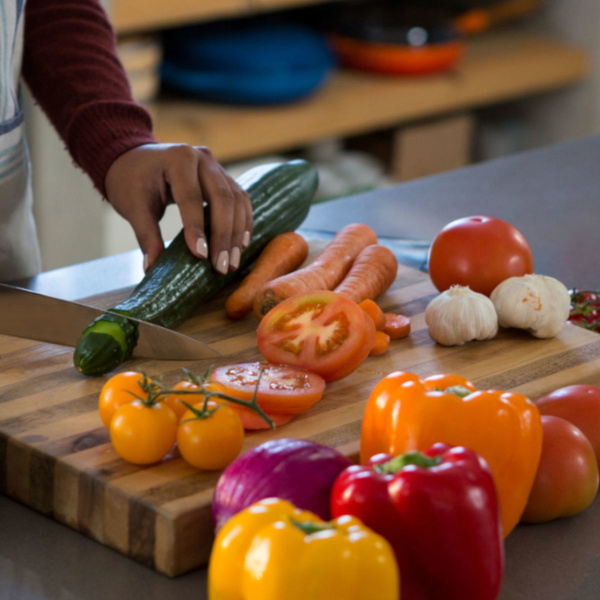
[195, 177]
[146, 229]
[187, 193]
[230, 213]
[221, 200]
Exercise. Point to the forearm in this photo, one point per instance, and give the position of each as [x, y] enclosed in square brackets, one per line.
[72, 69]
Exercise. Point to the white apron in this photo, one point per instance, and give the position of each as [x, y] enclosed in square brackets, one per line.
[19, 248]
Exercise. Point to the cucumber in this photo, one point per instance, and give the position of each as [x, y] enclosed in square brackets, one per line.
[178, 282]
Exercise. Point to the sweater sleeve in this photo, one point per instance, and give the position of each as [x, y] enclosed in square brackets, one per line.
[71, 66]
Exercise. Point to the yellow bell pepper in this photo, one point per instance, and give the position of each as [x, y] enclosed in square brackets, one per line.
[274, 551]
[407, 413]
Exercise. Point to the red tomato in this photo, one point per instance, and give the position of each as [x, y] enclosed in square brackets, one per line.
[567, 477]
[480, 252]
[283, 390]
[323, 332]
[368, 341]
[578, 404]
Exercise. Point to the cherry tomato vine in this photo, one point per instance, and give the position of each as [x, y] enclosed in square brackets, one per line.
[144, 426]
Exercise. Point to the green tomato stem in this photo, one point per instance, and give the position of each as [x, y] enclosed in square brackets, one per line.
[208, 394]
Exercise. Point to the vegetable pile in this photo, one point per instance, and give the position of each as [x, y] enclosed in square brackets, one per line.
[441, 510]
[446, 471]
[483, 268]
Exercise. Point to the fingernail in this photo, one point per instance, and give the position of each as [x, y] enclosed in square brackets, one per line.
[146, 262]
[202, 247]
[246, 239]
[234, 262]
[223, 262]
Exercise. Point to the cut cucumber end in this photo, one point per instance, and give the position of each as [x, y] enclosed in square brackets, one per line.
[98, 353]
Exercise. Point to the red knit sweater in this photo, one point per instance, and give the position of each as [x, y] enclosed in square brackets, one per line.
[71, 67]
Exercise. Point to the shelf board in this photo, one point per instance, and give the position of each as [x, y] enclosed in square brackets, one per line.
[498, 67]
[131, 16]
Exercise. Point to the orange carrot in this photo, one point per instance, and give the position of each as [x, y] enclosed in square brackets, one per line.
[371, 308]
[396, 326]
[372, 273]
[324, 273]
[382, 343]
[283, 254]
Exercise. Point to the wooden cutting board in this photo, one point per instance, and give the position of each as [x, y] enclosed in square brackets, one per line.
[55, 454]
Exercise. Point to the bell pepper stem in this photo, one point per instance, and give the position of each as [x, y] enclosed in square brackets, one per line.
[309, 527]
[410, 458]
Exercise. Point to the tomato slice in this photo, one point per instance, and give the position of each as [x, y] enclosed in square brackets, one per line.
[283, 390]
[323, 332]
[251, 421]
[367, 344]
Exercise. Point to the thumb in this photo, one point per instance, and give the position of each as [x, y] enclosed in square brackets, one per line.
[147, 232]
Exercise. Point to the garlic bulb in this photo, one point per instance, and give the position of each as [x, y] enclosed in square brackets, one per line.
[538, 303]
[460, 315]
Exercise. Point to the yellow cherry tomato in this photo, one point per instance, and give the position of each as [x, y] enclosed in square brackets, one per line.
[175, 401]
[213, 441]
[119, 390]
[143, 434]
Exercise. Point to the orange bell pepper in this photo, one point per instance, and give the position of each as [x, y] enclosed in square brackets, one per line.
[406, 413]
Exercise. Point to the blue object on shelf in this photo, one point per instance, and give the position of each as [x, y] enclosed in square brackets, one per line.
[246, 64]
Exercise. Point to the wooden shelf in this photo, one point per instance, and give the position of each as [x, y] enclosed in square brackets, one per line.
[498, 67]
[132, 16]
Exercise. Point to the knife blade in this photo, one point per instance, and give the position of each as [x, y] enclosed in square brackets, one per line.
[34, 316]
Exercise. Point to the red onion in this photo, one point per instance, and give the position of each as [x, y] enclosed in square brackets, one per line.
[300, 471]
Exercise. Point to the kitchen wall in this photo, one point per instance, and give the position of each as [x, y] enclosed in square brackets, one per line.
[571, 113]
[76, 225]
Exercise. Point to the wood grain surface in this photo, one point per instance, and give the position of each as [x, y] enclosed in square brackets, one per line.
[56, 457]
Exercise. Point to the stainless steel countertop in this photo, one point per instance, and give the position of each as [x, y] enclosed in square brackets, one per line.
[551, 195]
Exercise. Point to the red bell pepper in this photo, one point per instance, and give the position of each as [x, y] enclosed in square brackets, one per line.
[439, 511]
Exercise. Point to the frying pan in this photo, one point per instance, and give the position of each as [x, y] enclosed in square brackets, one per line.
[394, 38]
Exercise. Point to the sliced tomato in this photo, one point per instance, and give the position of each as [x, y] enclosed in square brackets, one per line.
[283, 390]
[367, 344]
[323, 332]
[251, 421]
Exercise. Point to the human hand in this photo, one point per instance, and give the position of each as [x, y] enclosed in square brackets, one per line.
[141, 182]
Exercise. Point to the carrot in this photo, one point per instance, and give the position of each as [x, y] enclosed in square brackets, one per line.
[283, 254]
[372, 273]
[325, 272]
[382, 343]
[371, 308]
[396, 326]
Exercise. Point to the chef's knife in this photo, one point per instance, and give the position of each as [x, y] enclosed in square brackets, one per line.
[34, 316]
